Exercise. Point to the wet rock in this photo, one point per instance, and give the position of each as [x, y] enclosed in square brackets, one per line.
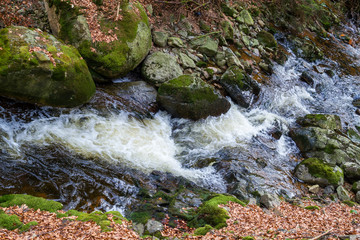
[267, 39]
[245, 18]
[160, 38]
[342, 194]
[324, 121]
[190, 97]
[307, 50]
[239, 86]
[205, 45]
[175, 42]
[330, 73]
[136, 97]
[160, 67]
[270, 201]
[306, 77]
[356, 102]
[129, 43]
[316, 171]
[267, 68]
[37, 68]
[153, 226]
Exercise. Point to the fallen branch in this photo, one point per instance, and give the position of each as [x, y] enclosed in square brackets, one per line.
[325, 233]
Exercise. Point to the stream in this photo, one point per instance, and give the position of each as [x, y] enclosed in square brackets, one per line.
[89, 158]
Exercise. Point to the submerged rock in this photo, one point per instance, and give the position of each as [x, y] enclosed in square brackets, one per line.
[240, 87]
[316, 171]
[160, 67]
[37, 68]
[190, 97]
[113, 50]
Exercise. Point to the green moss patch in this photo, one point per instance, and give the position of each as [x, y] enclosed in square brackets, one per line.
[98, 217]
[209, 213]
[30, 201]
[203, 230]
[12, 222]
[312, 208]
[320, 169]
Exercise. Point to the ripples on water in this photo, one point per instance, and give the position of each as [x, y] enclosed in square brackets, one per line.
[87, 159]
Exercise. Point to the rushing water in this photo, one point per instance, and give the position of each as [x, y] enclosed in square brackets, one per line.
[88, 159]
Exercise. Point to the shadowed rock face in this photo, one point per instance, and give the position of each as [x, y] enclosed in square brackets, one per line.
[121, 46]
[37, 68]
[190, 97]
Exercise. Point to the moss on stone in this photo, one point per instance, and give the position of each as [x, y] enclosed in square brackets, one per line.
[140, 217]
[98, 217]
[267, 39]
[320, 169]
[350, 203]
[190, 89]
[30, 201]
[203, 230]
[209, 213]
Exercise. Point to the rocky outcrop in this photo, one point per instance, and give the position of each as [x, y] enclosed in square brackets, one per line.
[190, 97]
[37, 68]
[111, 49]
[321, 138]
[160, 67]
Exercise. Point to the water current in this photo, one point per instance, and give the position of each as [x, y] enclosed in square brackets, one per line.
[89, 159]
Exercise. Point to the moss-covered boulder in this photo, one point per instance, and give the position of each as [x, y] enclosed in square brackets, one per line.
[30, 201]
[266, 39]
[239, 86]
[160, 67]
[190, 97]
[116, 41]
[245, 18]
[316, 171]
[325, 121]
[37, 68]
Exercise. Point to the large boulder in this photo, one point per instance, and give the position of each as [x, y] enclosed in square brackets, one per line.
[316, 171]
[240, 87]
[112, 37]
[160, 67]
[37, 68]
[190, 97]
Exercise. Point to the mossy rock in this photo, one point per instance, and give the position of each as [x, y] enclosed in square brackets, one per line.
[209, 213]
[190, 97]
[228, 30]
[203, 230]
[37, 68]
[316, 171]
[131, 36]
[98, 217]
[266, 39]
[237, 83]
[160, 67]
[30, 201]
[325, 121]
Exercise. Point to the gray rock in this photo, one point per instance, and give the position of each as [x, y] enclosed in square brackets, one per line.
[356, 102]
[175, 42]
[139, 228]
[306, 77]
[205, 45]
[270, 201]
[352, 170]
[356, 186]
[160, 67]
[342, 194]
[329, 190]
[153, 226]
[357, 197]
[314, 189]
[160, 38]
[245, 17]
[186, 62]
